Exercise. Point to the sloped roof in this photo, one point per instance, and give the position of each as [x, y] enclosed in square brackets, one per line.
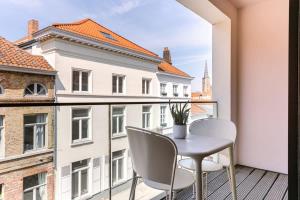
[168, 68]
[197, 109]
[11, 55]
[90, 28]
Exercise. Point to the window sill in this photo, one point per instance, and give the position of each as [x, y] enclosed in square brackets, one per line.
[82, 92]
[80, 143]
[119, 136]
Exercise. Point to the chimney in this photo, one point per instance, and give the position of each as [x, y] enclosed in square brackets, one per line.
[33, 26]
[167, 55]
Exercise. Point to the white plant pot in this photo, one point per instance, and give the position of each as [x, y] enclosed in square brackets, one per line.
[179, 131]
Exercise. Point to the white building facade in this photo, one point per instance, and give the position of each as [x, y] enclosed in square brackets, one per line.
[105, 69]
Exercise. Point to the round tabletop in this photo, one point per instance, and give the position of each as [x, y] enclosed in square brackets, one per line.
[197, 145]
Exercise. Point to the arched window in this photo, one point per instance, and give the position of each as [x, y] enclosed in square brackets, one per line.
[35, 89]
[1, 90]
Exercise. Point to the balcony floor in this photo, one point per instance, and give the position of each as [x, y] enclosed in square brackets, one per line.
[252, 184]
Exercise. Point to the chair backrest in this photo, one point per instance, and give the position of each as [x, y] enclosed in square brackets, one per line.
[153, 156]
[214, 127]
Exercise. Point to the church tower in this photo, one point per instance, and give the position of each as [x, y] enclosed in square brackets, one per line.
[206, 86]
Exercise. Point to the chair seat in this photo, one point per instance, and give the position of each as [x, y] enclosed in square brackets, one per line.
[207, 165]
[183, 179]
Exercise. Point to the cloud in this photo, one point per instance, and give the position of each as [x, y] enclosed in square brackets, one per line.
[25, 3]
[124, 6]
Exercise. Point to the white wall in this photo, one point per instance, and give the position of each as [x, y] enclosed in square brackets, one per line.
[263, 85]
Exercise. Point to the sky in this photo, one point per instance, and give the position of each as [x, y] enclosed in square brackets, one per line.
[153, 24]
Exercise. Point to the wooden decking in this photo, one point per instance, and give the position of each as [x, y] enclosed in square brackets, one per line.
[252, 184]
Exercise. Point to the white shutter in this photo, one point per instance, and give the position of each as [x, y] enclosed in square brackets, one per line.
[96, 175]
[66, 183]
[129, 165]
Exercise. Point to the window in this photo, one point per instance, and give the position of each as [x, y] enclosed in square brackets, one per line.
[163, 91]
[1, 93]
[107, 35]
[1, 192]
[118, 84]
[35, 89]
[185, 93]
[118, 118]
[80, 178]
[163, 116]
[175, 90]
[146, 116]
[80, 81]
[34, 131]
[1, 137]
[80, 124]
[35, 187]
[146, 86]
[118, 166]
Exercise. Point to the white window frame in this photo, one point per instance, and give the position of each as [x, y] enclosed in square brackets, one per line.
[34, 188]
[163, 89]
[89, 117]
[118, 134]
[163, 116]
[144, 86]
[117, 84]
[146, 116]
[175, 91]
[2, 143]
[116, 159]
[35, 92]
[79, 179]
[34, 125]
[185, 90]
[80, 80]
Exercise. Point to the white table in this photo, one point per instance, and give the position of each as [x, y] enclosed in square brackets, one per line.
[198, 147]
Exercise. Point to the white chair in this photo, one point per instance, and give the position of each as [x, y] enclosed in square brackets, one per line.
[213, 128]
[154, 159]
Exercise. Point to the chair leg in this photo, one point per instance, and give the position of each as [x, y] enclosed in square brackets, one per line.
[133, 186]
[232, 174]
[194, 191]
[205, 185]
[228, 175]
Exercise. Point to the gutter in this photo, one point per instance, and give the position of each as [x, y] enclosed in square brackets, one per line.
[26, 70]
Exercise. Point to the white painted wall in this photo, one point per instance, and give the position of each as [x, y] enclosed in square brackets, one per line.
[263, 85]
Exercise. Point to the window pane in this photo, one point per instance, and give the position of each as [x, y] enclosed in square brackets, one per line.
[30, 119]
[144, 125]
[75, 130]
[84, 81]
[121, 124]
[114, 125]
[75, 184]
[147, 87]
[143, 86]
[75, 81]
[114, 84]
[28, 195]
[29, 90]
[114, 171]
[41, 90]
[117, 111]
[84, 128]
[120, 169]
[121, 84]
[84, 181]
[40, 136]
[146, 108]
[80, 113]
[117, 154]
[41, 193]
[30, 181]
[28, 138]
[79, 164]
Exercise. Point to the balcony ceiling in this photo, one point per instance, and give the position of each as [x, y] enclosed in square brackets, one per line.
[243, 3]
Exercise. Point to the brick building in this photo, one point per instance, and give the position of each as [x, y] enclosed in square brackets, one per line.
[26, 133]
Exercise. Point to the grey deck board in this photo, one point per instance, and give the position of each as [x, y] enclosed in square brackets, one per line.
[286, 195]
[263, 186]
[241, 174]
[279, 188]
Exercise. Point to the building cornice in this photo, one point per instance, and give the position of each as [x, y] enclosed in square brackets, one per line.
[174, 75]
[26, 70]
[52, 32]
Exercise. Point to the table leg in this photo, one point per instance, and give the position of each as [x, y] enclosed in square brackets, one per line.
[198, 165]
[232, 174]
[133, 186]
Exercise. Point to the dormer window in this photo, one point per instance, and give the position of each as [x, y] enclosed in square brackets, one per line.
[35, 89]
[107, 35]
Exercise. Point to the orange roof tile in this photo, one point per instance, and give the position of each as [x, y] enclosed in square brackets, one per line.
[11, 55]
[166, 67]
[197, 109]
[92, 29]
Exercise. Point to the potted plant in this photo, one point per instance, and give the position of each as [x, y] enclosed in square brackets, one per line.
[180, 116]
